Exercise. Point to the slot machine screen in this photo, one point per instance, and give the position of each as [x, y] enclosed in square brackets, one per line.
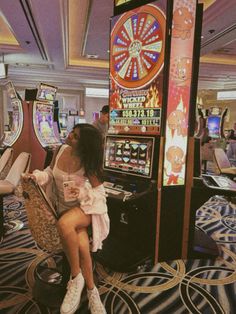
[46, 92]
[43, 124]
[131, 155]
[11, 91]
[16, 118]
[213, 124]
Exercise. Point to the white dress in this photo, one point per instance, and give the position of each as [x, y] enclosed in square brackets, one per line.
[91, 200]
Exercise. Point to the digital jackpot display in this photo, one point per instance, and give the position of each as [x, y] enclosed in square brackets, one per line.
[137, 46]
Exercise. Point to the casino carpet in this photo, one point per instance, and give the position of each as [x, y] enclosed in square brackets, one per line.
[180, 286]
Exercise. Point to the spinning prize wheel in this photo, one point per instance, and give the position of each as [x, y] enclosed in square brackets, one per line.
[137, 47]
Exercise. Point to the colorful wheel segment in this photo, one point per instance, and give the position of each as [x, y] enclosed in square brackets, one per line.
[137, 47]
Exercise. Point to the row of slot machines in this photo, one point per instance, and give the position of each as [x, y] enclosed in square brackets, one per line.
[36, 124]
[31, 125]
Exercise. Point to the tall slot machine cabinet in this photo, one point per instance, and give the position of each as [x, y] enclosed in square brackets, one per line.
[45, 134]
[14, 126]
[32, 128]
[215, 122]
[146, 162]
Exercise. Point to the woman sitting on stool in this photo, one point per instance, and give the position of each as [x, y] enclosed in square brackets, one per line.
[76, 171]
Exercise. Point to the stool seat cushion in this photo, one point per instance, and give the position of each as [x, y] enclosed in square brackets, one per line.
[6, 187]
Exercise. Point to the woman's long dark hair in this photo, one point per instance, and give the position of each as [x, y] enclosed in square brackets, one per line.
[90, 149]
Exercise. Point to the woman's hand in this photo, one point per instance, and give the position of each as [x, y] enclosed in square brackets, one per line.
[27, 176]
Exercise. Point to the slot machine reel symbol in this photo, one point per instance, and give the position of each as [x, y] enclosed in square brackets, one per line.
[134, 153]
[127, 149]
[119, 148]
[142, 154]
[118, 158]
[126, 159]
[118, 153]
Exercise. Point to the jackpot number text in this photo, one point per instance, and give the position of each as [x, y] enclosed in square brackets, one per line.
[138, 113]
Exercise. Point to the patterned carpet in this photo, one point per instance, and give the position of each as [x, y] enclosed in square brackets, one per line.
[191, 286]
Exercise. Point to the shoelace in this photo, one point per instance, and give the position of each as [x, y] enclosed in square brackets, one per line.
[71, 293]
[95, 303]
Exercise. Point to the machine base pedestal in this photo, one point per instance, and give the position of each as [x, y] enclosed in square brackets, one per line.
[122, 256]
[204, 246]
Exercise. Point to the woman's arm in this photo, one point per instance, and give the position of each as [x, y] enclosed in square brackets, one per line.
[94, 181]
[54, 157]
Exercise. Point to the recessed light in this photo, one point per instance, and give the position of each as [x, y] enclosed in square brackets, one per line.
[211, 31]
[92, 56]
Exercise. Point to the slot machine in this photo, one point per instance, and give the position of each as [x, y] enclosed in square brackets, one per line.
[15, 124]
[146, 156]
[130, 185]
[45, 134]
[215, 122]
[63, 116]
[31, 124]
[15, 129]
[200, 123]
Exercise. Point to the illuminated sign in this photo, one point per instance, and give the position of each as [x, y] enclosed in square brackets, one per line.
[136, 63]
[120, 2]
[180, 74]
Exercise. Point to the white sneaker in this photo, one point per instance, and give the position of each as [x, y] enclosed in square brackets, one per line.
[72, 298]
[95, 303]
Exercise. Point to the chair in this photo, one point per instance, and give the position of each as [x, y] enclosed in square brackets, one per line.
[42, 217]
[5, 162]
[223, 164]
[10, 183]
[52, 273]
[231, 151]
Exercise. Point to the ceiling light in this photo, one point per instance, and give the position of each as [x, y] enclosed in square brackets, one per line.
[97, 92]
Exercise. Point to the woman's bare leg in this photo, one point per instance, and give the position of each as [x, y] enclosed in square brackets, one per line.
[85, 257]
[68, 224]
